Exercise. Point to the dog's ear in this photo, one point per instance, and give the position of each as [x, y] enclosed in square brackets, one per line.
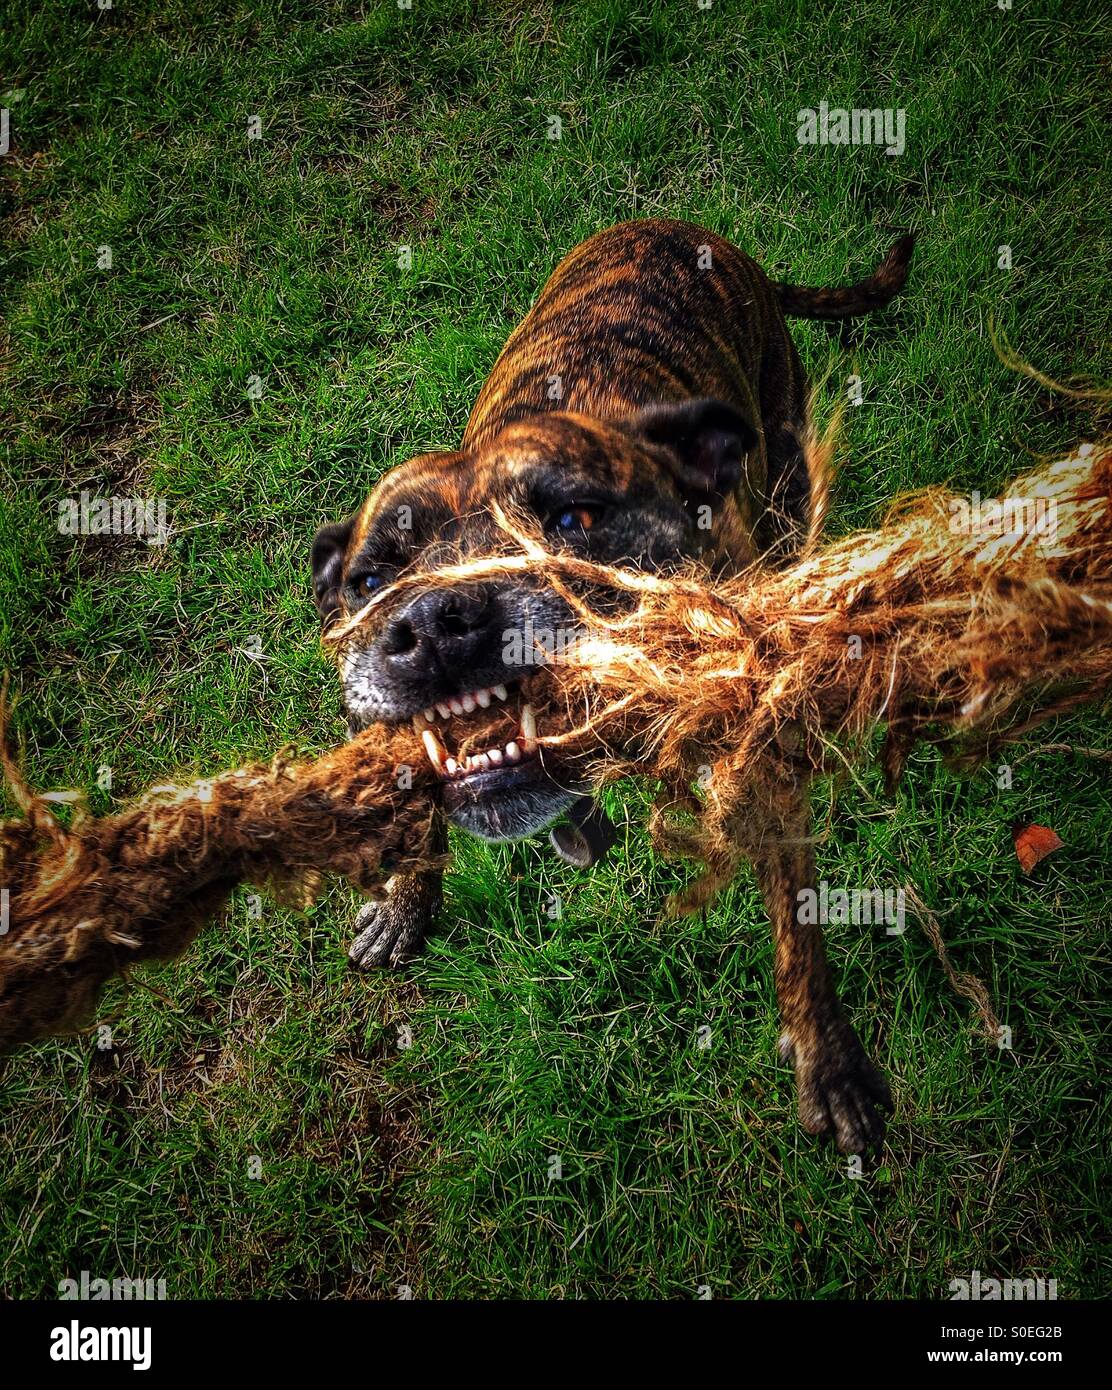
[329, 546]
[706, 442]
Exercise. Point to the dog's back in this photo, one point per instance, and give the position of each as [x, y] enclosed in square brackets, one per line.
[642, 313]
[661, 311]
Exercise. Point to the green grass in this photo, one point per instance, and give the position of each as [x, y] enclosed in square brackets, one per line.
[429, 1166]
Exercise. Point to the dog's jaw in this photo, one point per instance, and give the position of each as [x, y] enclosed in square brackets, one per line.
[508, 800]
[508, 803]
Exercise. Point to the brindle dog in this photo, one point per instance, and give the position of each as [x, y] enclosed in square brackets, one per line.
[649, 409]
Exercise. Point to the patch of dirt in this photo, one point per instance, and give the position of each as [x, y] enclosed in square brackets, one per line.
[107, 456]
[110, 435]
[22, 209]
[401, 211]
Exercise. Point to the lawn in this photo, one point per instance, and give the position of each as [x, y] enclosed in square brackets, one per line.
[221, 322]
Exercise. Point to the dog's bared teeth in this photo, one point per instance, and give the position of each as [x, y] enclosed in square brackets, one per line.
[468, 703]
[500, 691]
[430, 715]
[434, 748]
[455, 706]
[482, 698]
[443, 711]
[452, 767]
[528, 728]
[495, 755]
[513, 753]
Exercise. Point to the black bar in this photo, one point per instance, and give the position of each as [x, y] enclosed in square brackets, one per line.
[288, 1338]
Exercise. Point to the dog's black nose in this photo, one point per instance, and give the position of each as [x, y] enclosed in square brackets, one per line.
[441, 631]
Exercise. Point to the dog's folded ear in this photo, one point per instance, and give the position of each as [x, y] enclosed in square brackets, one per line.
[706, 442]
[586, 836]
[329, 547]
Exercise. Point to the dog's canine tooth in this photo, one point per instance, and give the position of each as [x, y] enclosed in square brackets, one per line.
[452, 767]
[434, 748]
[500, 691]
[528, 727]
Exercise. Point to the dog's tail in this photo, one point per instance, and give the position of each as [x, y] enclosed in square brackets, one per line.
[886, 281]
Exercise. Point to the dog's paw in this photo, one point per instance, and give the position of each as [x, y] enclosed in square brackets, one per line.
[842, 1095]
[390, 932]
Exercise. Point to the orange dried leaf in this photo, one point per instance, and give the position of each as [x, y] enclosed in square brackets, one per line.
[1033, 843]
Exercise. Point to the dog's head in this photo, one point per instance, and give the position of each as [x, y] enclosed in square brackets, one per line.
[458, 661]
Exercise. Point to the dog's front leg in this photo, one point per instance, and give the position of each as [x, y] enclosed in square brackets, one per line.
[841, 1093]
[393, 930]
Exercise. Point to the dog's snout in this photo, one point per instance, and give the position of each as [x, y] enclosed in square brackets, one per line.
[441, 629]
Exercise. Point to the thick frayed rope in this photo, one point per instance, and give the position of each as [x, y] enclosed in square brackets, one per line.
[936, 625]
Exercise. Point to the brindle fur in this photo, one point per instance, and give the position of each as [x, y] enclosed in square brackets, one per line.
[656, 372]
[839, 1091]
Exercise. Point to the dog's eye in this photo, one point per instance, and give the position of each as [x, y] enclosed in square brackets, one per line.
[581, 517]
[367, 584]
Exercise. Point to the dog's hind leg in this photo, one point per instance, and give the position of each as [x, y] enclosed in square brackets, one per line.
[841, 1094]
[393, 930]
[784, 412]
